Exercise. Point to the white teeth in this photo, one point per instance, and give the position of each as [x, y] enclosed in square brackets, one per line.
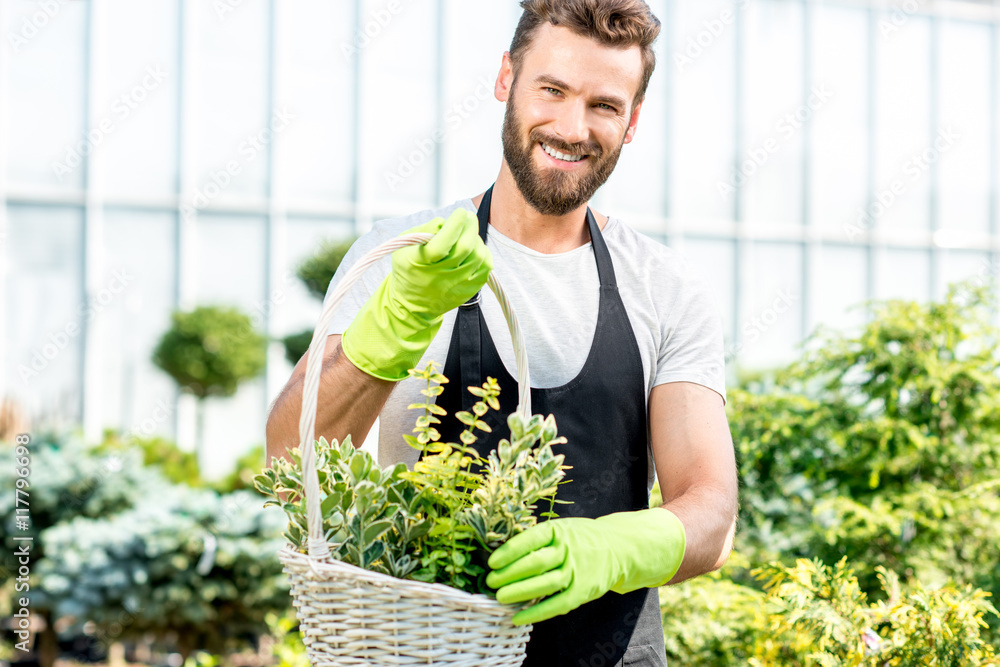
[561, 156]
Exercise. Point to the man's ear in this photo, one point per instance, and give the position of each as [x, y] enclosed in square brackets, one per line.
[633, 123]
[505, 78]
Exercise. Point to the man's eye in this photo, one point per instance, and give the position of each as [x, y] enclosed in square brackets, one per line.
[606, 106]
[554, 91]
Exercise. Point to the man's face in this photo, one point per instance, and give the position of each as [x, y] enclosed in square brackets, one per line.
[568, 115]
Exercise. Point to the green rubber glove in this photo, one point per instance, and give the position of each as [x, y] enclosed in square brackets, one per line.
[572, 561]
[393, 329]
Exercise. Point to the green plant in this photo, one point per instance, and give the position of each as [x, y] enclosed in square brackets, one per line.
[440, 521]
[882, 446]
[315, 272]
[821, 612]
[178, 466]
[288, 646]
[209, 352]
[296, 345]
[185, 561]
[242, 474]
[712, 620]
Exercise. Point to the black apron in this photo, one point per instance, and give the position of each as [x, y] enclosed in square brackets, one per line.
[602, 414]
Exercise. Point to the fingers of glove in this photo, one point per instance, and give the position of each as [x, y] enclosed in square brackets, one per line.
[432, 226]
[543, 585]
[462, 282]
[404, 258]
[532, 565]
[557, 605]
[454, 239]
[536, 537]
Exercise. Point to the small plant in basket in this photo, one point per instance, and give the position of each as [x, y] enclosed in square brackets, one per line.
[440, 521]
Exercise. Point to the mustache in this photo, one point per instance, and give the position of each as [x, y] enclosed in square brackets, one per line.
[581, 148]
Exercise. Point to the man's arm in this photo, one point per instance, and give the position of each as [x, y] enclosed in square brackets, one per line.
[571, 561]
[349, 402]
[388, 335]
[696, 468]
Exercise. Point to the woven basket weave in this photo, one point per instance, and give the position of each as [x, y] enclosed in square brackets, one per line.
[351, 616]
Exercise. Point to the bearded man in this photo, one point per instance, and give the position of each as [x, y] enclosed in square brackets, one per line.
[625, 347]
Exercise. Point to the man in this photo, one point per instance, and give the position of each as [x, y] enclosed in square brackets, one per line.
[625, 349]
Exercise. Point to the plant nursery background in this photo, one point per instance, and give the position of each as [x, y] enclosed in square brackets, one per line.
[177, 183]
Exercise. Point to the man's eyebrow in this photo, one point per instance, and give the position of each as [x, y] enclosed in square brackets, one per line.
[612, 100]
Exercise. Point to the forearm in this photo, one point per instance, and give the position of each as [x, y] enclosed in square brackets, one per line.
[349, 402]
[709, 518]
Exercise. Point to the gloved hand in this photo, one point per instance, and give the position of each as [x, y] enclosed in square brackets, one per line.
[576, 560]
[393, 329]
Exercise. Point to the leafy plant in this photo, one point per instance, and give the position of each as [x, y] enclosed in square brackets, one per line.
[315, 272]
[822, 613]
[185, 561]
[440, 521]
[882, 446]
[209, 352]
[178, 466]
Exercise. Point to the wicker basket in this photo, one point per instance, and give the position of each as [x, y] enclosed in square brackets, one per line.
[351, 616]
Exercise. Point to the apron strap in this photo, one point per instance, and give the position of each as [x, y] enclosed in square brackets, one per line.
[605, 268]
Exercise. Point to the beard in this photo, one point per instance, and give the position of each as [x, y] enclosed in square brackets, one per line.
[552, 191]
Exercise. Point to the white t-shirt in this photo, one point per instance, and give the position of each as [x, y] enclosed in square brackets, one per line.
[556, 298]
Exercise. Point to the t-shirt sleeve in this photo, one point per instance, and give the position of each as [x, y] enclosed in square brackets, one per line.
[691, 344]
[365, 286]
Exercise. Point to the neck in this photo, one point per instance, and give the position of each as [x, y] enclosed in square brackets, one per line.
[514, 217]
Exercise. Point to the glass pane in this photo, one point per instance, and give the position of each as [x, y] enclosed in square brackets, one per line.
[300, 309]
[771, 327]
[637, 184]
[45, 53]
[903, 274]
[838, 184]
[139, 248]
[840, 286]
[400, 116]
[316, 80]
[964, 76]
[230, 262]
[701, 139]
[230, 123]
[902, 126]
[46, 310]
[473, 117]
[770, 159]
[961, 265]
[714, 261]
[230, 269]
[140, 107]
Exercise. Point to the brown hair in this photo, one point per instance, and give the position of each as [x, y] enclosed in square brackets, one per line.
[620, 23]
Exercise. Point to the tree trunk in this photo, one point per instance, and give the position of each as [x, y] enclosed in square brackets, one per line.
[47, 642]
[116, 655]
[199, 432]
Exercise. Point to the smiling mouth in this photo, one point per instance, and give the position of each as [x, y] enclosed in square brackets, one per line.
[565, 157]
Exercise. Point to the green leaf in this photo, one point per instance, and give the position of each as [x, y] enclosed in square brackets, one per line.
[359, 467]
[375, 530]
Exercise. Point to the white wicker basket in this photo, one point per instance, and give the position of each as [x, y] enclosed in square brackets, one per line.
[351, 616]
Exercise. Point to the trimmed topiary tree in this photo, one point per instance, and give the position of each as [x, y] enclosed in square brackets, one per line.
[209, 352]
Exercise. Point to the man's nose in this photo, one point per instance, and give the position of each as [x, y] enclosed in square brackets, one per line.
[571, 126]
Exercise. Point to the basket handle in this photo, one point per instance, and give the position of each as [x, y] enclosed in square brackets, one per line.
[318, 547]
